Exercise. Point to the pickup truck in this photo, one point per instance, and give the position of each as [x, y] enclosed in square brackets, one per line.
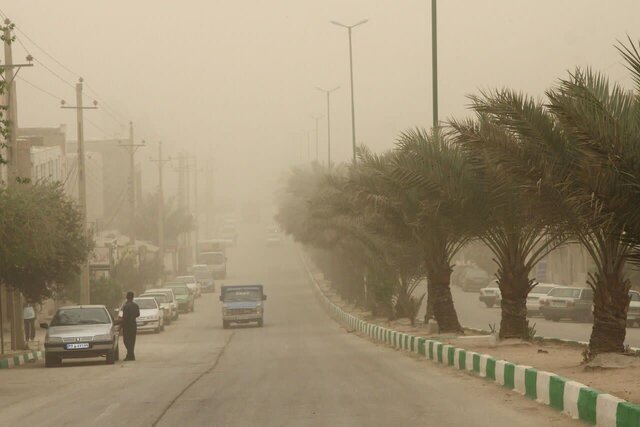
[242, 304]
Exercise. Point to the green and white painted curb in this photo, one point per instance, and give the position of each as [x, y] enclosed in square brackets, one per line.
[572, 398]
[20, 359]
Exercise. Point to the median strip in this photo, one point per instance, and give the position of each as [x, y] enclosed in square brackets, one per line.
[12, 361]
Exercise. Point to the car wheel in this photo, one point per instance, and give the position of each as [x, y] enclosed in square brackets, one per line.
[260, 323]
[162, 327]
[630, 323]
[488, 304]
[157, 330]
[225, 324]
[111, 357]
[51, 361]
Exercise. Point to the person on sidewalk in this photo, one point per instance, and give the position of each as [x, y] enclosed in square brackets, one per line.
[29, 316]
[130, 312]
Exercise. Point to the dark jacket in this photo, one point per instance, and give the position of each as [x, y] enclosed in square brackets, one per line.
[130, 312]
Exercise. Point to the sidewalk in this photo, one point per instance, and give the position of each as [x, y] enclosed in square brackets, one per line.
[12, 358]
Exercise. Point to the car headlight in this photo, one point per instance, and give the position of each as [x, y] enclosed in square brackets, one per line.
[103, 337]
[53, 340]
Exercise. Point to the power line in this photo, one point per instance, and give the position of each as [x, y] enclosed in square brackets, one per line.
[40, 89]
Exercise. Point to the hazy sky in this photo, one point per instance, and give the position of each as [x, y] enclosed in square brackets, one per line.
[236, 78]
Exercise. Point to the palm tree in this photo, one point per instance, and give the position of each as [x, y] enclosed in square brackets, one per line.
[507, 221]
[563, 151]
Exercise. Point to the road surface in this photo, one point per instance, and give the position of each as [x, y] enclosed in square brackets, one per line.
[301, 369]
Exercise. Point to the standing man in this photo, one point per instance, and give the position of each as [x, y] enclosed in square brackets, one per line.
[29, 316]
[130, 312]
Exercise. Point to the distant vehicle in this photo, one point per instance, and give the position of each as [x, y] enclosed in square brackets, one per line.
[242, 304]
[474, 279]
[192, 283]
[171, 298]
[533, 299]
[165, 305]
[213, 245]
[273, 236]
[204, 276]
[217, 263]
[633, 313]
[80, 331]
[456, 274]
[229, 232]
[151, 315]
[184, 296]
[567, 302]
[491, 294]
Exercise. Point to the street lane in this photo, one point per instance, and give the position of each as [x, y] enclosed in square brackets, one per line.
[475, 314]
[300, 369]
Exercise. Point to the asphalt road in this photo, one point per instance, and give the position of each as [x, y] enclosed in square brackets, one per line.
[473, 313]
[300, 369]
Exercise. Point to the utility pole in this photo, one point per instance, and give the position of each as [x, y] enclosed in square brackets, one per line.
[161, 246]
[85, 291]
[328, 93]
[132, 147]
[316, 119]
[14, 297]
[353, 109]
[434, 61]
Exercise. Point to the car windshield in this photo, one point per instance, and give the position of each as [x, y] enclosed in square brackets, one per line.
[542, 289]
[81, 316]
[145, 303]
[159, 297]
[212, 258]
[565, 293]
[635, 296]
[242, 295]
[180, 290]
[476, 274]
[202, 275]
[186, 279]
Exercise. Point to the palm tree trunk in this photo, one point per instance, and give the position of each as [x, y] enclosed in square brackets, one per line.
[611, 301]
[439, 300]
[514, 287]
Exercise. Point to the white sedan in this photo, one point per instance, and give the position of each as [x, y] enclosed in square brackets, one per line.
[151, 315]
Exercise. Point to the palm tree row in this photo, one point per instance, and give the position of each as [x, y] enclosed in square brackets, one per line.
[522, 176]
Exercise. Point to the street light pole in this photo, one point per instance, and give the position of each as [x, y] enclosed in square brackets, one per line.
[316, 119]
[328, 93]
[353, 112]
[434, 60]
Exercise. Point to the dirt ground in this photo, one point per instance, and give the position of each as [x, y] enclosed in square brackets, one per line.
[561, 359]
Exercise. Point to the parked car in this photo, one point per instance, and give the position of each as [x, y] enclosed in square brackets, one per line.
[567, 302]
[81, 331]
[164, 303]
[491, 294]
[456, 274]
[474, 279]
[171, 299]
[274, 237]
[192, 283]
[205, 277]
[533, 299]
[184, 296]
[151, 314]
[633, 314]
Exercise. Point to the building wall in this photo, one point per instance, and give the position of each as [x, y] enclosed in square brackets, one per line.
[48, 164]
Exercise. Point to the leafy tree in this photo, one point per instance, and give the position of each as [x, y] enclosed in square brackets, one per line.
[42, 243]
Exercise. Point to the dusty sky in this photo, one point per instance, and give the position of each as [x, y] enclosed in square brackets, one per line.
[233, 81]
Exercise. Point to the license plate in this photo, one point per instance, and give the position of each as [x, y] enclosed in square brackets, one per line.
[558, 303]
[76, 346]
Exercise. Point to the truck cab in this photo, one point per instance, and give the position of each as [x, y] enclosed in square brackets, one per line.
[242, 304]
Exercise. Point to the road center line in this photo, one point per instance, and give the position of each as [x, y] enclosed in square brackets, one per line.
[195, 380]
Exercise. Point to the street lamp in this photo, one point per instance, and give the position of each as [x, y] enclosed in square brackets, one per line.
[353, 113]
[434, 61]
[328, 93]
[316, 119]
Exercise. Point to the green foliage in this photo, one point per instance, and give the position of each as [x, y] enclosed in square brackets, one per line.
[42, 243]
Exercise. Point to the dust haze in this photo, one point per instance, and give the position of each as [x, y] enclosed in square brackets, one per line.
[233, 82]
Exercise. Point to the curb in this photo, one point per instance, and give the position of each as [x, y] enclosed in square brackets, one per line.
[20, 359]
[572, 398]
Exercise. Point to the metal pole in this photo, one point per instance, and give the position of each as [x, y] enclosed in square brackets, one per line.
[353, 110]
[85, 292]
[328, 130]
[160, 208]
[434, 60]
[317, 118]
[132, 187]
